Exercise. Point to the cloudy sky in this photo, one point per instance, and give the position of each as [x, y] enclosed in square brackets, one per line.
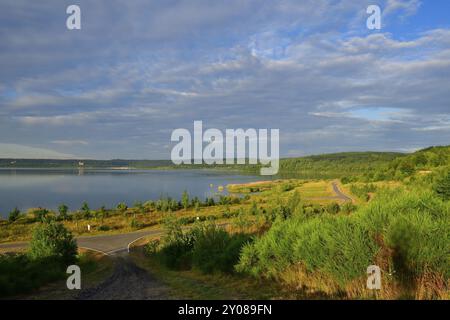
[137, 70]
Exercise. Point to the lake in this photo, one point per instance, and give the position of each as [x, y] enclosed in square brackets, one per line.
[48, 188]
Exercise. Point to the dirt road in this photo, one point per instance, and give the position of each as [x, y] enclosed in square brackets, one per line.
[128, 282]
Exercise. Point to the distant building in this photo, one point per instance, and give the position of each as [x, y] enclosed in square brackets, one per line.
[80, 163]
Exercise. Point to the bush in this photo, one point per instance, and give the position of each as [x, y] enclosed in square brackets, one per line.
[53, 240]
[177, 254]
[348, 208]
[14, 215]
[86, 210]
[215, 250]
[63, 210]
[362, 191]
[104, 228]
[205, 247]
[442, 187]
[177, 245]
[333, 208]
[20, 274]
[136, 224]
[41, 214]
[152, 247]
[51, 250]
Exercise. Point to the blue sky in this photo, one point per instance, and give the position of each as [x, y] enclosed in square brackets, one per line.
[137, 70]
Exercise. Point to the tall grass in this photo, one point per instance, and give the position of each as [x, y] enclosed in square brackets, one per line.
[205, 247]
[405, 232]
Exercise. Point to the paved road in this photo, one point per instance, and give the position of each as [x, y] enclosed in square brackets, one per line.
[339, 193]
[107, 244]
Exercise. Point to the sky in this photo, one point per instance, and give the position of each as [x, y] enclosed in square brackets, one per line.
[137, 70]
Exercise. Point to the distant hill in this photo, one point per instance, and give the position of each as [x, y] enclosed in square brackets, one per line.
[370, 166]
[422, 160]
[46, 163]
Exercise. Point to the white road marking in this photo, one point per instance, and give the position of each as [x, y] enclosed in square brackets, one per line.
[92, 249]
[128, 247]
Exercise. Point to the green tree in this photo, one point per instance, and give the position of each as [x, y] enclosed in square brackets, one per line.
[406, 167]
[122, 207]
[185, 200]
[139, 206]
[53, 240]
[442, 187]
[102, 213]
[14, 215]
[86, 210]
[40, 214]
[63, 210]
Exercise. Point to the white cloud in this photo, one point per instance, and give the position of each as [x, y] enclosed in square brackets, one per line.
[305, 67]
[69, 143]
[9, 150]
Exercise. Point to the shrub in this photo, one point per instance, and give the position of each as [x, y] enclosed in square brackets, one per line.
[63, 209]
[177, 254]
[185, 200]
[348, 208]
[177, 245]
[442, 187]
[333, 208]
[152, 247]
[205, 247]
[122, 208]
[136, 224]
[41, 214]
[104, 228]
[14, 215]
[20, 274]
[53, 240]
[51, 250]
[86, 210]
[102, 213]
[215, 250]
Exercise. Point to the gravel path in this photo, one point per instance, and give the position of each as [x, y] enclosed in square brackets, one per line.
[128, 282]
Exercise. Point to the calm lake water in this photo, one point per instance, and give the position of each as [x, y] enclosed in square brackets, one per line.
[48, 188]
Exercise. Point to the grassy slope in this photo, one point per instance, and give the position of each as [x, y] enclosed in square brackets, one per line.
[191, 284]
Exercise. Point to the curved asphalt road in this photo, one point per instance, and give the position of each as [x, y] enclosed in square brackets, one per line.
[339, 193]
[106, 244]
